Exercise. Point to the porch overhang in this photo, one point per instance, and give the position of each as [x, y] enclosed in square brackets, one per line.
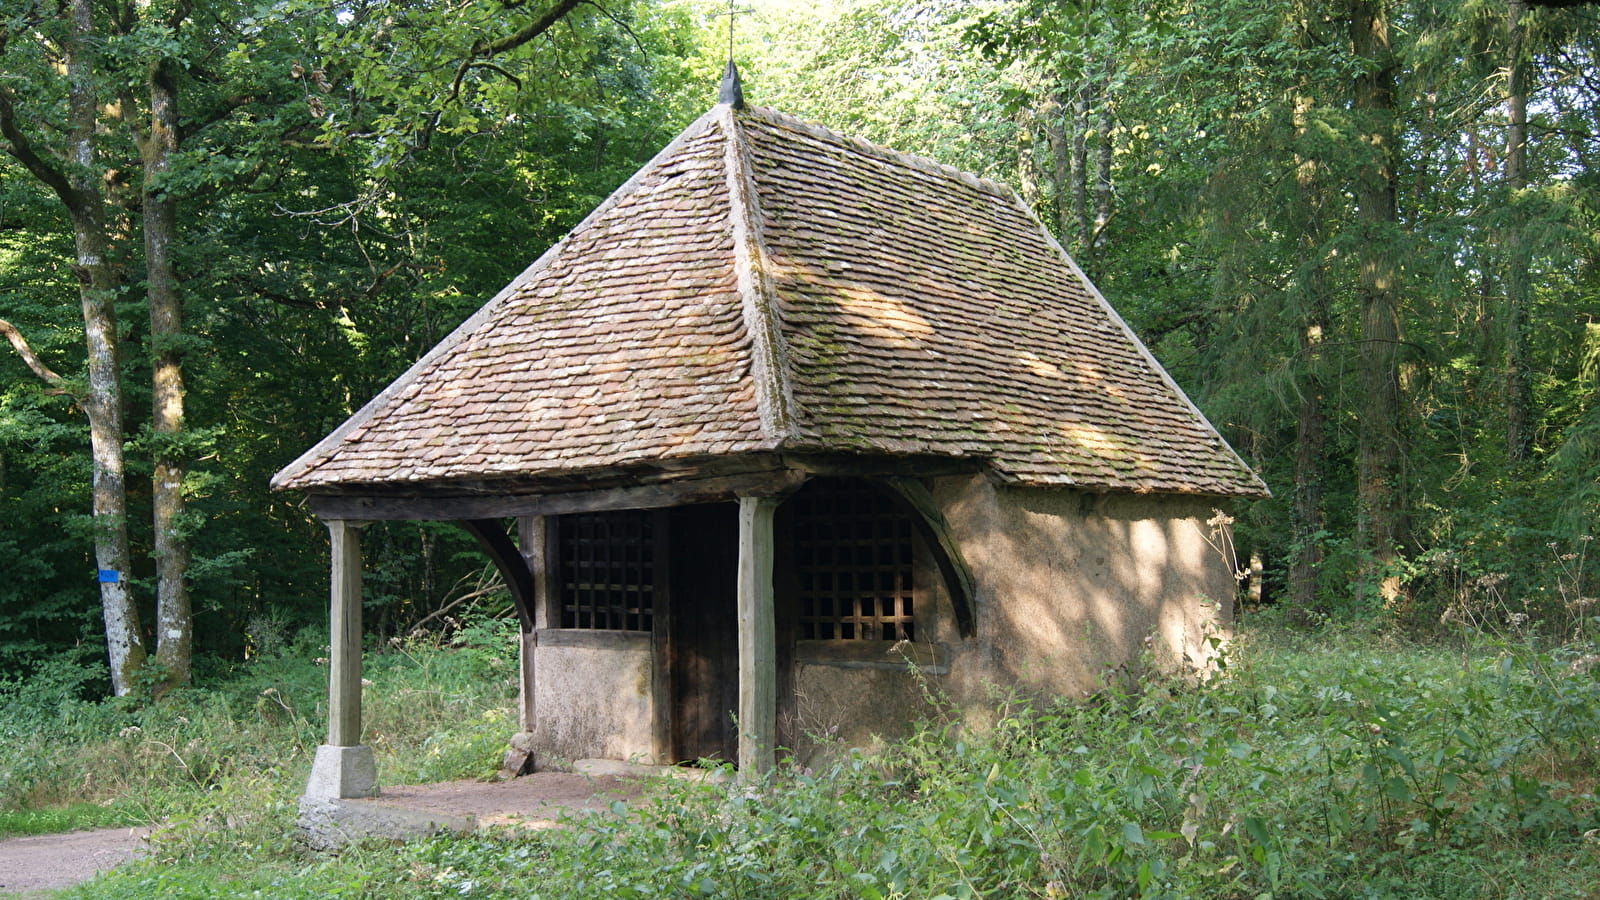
[642, 487]
[758, 483]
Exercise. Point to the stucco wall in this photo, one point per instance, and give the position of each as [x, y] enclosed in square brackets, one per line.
[1071, 584]
[1069, 587]
[593, 701]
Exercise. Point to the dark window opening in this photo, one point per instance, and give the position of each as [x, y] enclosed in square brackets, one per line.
[853, 556]
[607, 570]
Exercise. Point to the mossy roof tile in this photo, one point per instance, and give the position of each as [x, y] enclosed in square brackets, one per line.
[765, 284]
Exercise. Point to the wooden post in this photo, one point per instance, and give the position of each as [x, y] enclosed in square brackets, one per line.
[344, 767]
[532, 535]
[758, 670]
[521, 755]
[344, 664]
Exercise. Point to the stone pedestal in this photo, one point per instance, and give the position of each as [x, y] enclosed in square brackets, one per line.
[520, 758]
[342, 773]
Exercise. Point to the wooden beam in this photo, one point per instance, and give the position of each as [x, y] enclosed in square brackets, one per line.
[930, 521]
[507, 557]
[661, 649]
[532, 540]
[372, 507]
[344, 664]
[840, 465]
[758, 651]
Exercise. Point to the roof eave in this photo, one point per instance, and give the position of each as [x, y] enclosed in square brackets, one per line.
[292, 476]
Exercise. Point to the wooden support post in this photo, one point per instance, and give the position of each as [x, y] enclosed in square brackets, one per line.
[344, 663]
[531, 537]
[758, 651]
[344, 767]
[521, 756]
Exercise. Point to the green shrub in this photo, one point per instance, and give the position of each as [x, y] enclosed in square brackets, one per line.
[1356, 764]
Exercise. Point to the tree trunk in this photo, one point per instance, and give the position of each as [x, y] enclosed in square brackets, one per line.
[174, 626]
[1057, 134]
[1382, 523]
[103, 404]
[77, 184]
[1080, 168]
[1103, 153]
[1518, 388]
[1307, 516]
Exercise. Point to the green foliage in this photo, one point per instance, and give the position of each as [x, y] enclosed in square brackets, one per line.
[344, 202]
[236, 754]
[1355, 764]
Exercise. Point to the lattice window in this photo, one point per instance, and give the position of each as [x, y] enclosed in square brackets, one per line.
[607, 570]
[853, 563]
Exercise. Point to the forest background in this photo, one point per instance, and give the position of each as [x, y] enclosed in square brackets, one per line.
[1362, 234]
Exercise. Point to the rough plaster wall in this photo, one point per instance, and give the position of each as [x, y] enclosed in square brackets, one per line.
[1071, 583]
[835, 708]
[594, 703]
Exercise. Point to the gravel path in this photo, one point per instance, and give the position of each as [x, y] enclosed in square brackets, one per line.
[53, 861]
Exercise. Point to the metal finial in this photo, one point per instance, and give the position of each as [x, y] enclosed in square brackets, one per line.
[732, 13]
[732, 92]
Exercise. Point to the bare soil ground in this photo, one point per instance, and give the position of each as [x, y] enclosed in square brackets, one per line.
[55, 861]
[533, 800]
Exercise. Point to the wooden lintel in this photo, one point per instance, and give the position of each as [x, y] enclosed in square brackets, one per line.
[931, 658]
[369, 507]
[835, 465]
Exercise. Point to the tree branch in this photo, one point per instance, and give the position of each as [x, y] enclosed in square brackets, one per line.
[45, 373]
[18, 145]
[523, 35]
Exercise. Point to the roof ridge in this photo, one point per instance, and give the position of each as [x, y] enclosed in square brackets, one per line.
[328, 448]
[922, 164]
[769, 357]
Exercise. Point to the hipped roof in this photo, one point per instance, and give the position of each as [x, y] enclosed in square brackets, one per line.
[765, 285]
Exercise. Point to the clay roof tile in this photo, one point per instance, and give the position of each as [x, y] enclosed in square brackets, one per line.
[765, 283]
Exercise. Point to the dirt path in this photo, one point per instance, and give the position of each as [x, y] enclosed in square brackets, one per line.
[53, 861]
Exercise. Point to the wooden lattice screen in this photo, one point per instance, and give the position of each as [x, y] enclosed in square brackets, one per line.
[853, 562]
[608, 570]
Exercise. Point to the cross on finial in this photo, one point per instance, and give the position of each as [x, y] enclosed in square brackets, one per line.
[732, 13]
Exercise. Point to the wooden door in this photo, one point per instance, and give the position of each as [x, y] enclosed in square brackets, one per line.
[704, 639]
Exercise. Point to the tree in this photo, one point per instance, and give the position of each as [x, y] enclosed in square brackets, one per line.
[1381, 480]
[72, 174]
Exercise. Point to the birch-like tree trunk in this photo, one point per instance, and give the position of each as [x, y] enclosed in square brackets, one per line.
[76, 182]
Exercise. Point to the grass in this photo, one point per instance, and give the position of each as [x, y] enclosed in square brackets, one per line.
[1346, 764]
[72, 817]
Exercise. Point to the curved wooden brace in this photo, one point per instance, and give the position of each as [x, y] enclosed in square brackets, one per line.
[946, 551]
[502, 550]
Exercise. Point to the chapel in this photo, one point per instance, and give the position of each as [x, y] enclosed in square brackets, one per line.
[789, 434]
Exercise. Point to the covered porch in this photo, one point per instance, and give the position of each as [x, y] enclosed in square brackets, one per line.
[669, 678]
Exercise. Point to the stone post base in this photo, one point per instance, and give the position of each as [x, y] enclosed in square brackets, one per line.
[520, 758]
[342, 773]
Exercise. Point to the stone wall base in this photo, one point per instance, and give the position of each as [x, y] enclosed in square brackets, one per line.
[328, 824]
